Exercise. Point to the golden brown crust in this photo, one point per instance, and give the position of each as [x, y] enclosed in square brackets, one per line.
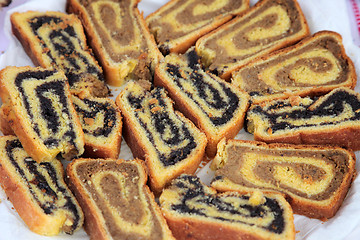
[111, 71]
[315, 90]
[141, 147]
[26, 44]
[94, 224]
[180, 104]
[226, 72]
[188, 229]
[309, 208]
[21, 201]
[336, 137]
[64, 213]
[5, 127]
[190, 40]
[36, 148]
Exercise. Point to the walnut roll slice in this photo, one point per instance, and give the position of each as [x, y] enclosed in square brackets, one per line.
[315, 179]
[116, 201]
[178, 24]
[119, 37]
[314, 66]
[265, 27]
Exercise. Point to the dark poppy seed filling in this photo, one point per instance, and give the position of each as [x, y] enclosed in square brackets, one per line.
[62, 40]
[51, 96]
[212, 104]
[195, 200]
[93, 110]
[210, 93]
[169, 143]
[45, 184]
[56, 40]
[169, 130]
[335, 108]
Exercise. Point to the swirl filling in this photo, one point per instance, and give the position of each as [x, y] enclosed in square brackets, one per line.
[339, 107]
[98, 118]
[318, 61]
[118, 192]
[266, 27]
[180, 19]
[121, 39]
[314, 180]
[214, 98]
[193, 199]
[43, 96]
[309, 174]
[172, 138]
[45, 184]
[64, 47]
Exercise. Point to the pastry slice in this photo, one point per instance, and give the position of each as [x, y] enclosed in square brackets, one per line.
[116, 201]
[215, 106]
[168, 142]
[331, 119]
[196, 211]
[265, 27]
[57, 40]
[178, 24]
[41, 113]
[101, 123]
[315, 179]
[38, 191]
[5, 127]
[314, 66]
[119, 37]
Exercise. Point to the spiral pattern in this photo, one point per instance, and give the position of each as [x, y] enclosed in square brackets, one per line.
[99, 117]
[119, 36]
[215, 101]
[177, 20]
[44, 183]
[44, 97]
[314, 179]
[317, 62]
[57, 40]
[117, 189]
[171, 138]
[189, 198]
[267, 27]
[337, 108]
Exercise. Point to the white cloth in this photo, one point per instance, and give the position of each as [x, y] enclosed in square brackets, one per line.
[320, 14]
